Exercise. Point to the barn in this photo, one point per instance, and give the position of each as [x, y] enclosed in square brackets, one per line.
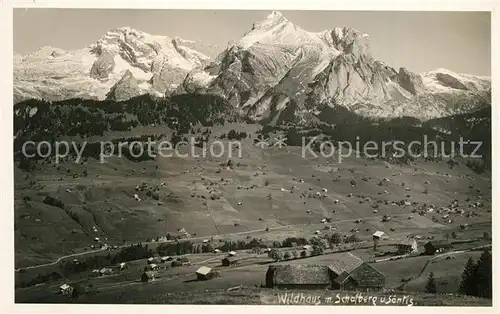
[407, 246]
[229, 261]
[299, 276]
[438, 246]
[206, 273]
[344, 263]
[66, 289]
[362, 278]
[148, 276]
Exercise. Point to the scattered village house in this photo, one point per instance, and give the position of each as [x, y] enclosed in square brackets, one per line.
[229, 261]
[66, 289]
[165, 259]
[377, 236]
[105, 271]
[344, 263]
[205, 273]
[148, 276]
[153, 266]
[362, 278]
[151, 260]
[407, 246]
[437, 246]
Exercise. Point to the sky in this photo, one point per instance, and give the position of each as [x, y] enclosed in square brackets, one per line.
[419, 41]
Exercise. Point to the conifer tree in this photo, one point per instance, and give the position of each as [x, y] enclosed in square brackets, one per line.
[468, 283]
[484, 275]
[431, 284]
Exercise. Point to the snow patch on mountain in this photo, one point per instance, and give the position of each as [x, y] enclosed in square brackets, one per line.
[443, 80]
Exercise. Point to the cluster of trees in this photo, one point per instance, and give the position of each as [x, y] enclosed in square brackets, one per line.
[478, 165]
[289, 242]
[126, 254]
[52, 201]
[342, 125]
[38, 280]
[43, 120]
[477, 277]
[317, 248]
[67, 268]
[187, 247]
[177, 248]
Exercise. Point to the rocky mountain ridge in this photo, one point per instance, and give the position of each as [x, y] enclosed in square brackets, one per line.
[276, 72]
[157, 64]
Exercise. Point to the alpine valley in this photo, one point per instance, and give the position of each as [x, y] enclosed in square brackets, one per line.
[112, 217]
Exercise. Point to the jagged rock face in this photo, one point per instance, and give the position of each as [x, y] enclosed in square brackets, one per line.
[351, 42]
[410, 81]
[158, 63]
[126, 88]
[166, 77]
[448, 80]
[279, 68]
[103, 66]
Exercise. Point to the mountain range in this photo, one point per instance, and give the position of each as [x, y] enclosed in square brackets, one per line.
[276, 72]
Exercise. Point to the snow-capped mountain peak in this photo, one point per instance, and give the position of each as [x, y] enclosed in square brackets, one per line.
[275, 71]
[273, 20]
[158, 63]
[277, 66]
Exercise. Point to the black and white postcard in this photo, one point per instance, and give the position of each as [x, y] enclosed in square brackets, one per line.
[257, 156]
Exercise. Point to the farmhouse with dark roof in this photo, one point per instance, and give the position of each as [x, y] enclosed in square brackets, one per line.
[364, 278]
[438, 246]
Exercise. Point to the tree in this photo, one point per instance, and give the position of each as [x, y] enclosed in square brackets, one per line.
[468, 283]
[26, 163]
[303, 254]
[317, 250]
[295, 254]
[484, 275]
[453, 235]
[318, 242]
[352, 239]
[256, 250]
[287, 255]
[431, 284]
[275, 255]
[336, 238]
[75, 294]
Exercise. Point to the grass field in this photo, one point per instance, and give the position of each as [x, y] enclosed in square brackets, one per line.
[104, 199]
[268, 194]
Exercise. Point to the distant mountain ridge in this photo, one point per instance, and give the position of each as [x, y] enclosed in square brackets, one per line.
[279, 69]
[156, 64]
[276, 72]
